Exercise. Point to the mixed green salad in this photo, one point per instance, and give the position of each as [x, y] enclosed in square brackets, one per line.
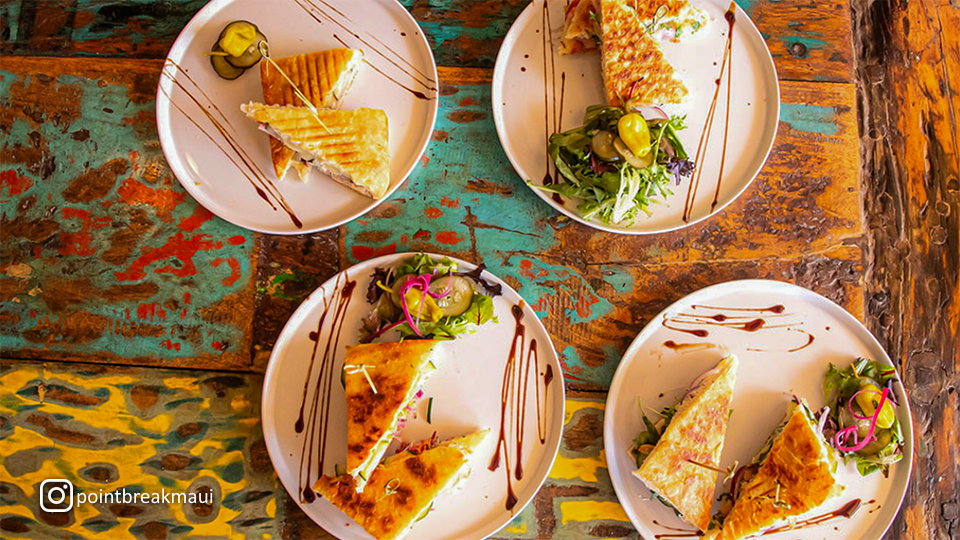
[862, 422]
[647, 440]
[650, 436]
[428, 298]
[619, 162]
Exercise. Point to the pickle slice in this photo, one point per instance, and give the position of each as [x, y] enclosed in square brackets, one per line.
[222, 67]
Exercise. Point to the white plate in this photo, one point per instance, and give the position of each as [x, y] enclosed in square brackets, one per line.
[520, 100]
[466, 392]
[394, 45]
[765, 382]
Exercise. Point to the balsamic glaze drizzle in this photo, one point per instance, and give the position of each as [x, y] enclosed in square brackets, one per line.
[417, 94]
[319, 13]
[704, 142]
[317, 422]
[745, 319]
[264, 187]
[513, 395]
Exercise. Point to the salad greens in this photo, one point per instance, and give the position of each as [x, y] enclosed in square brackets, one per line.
[862, 422]
[613, 179]
[427, 298]
[648, 438]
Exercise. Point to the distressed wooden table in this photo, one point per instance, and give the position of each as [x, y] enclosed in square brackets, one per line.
[136, 326]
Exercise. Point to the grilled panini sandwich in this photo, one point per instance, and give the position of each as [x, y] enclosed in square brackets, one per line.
[664, 19]
[323, 77]
[382, 382]
[794, 473]
[682, 468]
[403, 488]
[635, 71]
[581, 27]
[350, 146]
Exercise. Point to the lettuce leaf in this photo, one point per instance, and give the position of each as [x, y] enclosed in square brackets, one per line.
[839, 386]
[479, 313]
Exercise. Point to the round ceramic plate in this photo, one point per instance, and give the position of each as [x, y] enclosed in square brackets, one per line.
[217, 167]
[778, 360]
[466, 392]
[537, 94]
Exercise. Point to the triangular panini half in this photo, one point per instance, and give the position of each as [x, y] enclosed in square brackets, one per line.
[382, 382]
[350, 146]
[671, 20]
[797, 472]
[323, 77]
[682, 468]
[403, 488]
[581, 27]
[634, 68]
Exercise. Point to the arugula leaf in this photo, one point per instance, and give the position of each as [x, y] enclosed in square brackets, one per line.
[616, 192]
[421, 263]
[650, 435]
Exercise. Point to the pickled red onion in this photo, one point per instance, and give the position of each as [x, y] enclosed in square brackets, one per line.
[844, 434]
[423, 280]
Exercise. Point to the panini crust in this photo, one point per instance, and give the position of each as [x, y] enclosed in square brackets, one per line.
[679, 17]
[634, 67]
[318, 75]
[695, 434]
[580, 29]
[352, 146]
[394, 369]
[665, 19]
[796, 463]
[414, 480]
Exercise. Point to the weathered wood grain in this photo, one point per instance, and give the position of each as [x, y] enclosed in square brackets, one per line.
[466, 200]
[142, 430]
[908, 83]
[138, 430]
[104, 256]
[816, 45]
[810, 40]
[794, 223]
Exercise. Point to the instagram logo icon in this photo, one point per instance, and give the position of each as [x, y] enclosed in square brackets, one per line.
[56, 495]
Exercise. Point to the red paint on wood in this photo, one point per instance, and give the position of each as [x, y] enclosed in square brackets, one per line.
[151, 310]
[78, 243]
[450, 203]
[432, 213]
[422, 235]
[583, 305]
[528, 271]
[543, 304]
[237, 240]
[362, 253]
[177, 247]
[449, 238]
[200, 216]
[234, 270]
[13, 184]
